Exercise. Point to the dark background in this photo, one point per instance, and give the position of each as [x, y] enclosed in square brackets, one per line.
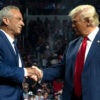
[38, 7]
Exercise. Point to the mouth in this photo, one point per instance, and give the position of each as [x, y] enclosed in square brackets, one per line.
[20, 28]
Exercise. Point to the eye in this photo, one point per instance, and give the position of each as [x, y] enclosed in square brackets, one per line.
[74, 21]
[18, 18]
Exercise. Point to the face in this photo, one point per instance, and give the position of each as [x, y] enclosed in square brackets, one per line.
[79, 25]
[46, 95]
[14, 23]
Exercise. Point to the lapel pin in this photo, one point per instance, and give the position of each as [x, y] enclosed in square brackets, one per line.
[98, 41]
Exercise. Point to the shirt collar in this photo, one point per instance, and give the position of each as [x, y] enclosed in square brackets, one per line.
[8, 37]
[92, 35]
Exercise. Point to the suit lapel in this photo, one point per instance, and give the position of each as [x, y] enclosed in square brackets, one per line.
[77, 47]
[94, 47]
[7, 42]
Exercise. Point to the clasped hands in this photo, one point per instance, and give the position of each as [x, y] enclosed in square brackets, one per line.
[35, 73]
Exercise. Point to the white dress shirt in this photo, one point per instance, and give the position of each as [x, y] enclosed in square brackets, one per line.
[91, 37]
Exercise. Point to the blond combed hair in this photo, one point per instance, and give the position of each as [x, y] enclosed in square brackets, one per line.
[86, 12]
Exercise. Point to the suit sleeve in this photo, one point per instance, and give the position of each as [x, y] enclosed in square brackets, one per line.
[11, 73]
[55, 71]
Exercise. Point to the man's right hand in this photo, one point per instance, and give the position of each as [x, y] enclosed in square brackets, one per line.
[34, 73]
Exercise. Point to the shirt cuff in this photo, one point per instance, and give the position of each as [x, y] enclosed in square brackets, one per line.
[25, 72]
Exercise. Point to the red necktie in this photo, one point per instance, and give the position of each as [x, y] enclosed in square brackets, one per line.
[78, 68]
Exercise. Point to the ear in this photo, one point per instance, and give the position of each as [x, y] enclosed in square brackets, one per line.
[6, 21]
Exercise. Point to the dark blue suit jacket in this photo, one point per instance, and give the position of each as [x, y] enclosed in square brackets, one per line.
[90, 75]
[11, 76]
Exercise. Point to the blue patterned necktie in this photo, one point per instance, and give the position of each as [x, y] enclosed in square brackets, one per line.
[16, 51]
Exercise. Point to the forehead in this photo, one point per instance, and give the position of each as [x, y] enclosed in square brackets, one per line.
[15, 12]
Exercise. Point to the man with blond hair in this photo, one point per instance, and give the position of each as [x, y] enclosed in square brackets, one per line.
[80, 66]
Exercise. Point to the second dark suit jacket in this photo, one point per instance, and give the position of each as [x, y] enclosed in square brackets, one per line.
[90, 75]
[11, 76]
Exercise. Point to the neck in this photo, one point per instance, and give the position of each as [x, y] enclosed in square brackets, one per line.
[8, 32]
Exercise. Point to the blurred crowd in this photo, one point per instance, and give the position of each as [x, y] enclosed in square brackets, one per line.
[46, 41]
[44, 46]
[43, 91]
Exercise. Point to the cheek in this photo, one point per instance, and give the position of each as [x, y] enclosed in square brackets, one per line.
[80, 27]
[13, 25]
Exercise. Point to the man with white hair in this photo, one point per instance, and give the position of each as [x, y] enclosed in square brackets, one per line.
[12, 69]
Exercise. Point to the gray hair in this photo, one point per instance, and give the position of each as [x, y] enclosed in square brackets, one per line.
[5, 12]
[86, 12]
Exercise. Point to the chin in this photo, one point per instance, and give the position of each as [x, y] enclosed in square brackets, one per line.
[19, 32]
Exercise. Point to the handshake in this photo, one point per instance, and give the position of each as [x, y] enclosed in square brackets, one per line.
[34, 73]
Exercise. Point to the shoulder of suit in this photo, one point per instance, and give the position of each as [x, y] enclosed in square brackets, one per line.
[75, 40]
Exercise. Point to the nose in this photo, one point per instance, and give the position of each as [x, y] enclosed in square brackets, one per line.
[73, 25]
[23, 23]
